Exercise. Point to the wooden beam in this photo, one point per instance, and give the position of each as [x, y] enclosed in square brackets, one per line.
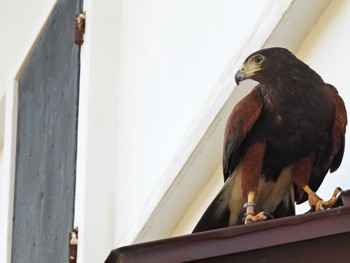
[288, 239]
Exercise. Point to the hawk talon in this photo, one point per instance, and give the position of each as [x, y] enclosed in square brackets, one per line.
[248, 219]
[320, 205]
[336, 193]
[268, 216]
[262, 216]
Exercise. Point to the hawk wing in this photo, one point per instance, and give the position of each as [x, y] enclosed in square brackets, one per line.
[338, 130]
[331, 158]
[241, 120]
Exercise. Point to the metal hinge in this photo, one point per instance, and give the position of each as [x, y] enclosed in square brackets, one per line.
[79, 29]
[73, 245]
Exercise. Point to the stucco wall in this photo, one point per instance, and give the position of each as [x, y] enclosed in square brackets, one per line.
[172, 57]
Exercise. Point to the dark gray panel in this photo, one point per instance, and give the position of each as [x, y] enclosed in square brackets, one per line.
[46, 143]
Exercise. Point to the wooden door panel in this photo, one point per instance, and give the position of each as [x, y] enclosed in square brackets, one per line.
[46, 143]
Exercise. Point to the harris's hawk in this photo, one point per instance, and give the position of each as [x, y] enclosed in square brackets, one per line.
[280, 141]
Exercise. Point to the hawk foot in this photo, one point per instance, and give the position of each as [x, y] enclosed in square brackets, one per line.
[336, 193]
[262, 216]
[317, 204]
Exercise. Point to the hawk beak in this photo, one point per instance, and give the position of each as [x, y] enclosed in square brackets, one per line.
[246, 72]
[240, 75]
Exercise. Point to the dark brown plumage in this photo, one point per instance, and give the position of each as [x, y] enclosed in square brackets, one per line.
[287, 133]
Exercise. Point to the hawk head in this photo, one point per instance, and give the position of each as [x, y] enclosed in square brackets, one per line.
[272, 64]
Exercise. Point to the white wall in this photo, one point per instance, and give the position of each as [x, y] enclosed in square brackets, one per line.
[172, 57]
[97, 131]
[20, 24]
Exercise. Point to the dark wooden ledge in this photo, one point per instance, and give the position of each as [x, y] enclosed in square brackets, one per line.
[314, 237]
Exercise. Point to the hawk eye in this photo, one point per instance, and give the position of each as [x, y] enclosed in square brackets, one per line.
[258, 59]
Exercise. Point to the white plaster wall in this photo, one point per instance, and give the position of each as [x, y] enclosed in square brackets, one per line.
[172, 55]
[20, 24]
[97, 131]
[200, 204]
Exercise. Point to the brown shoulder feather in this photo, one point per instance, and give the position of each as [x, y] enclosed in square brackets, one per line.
[241, 120]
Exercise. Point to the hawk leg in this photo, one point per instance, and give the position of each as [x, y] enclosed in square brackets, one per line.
[300, 174]
[251, 171]
[249, 209]
[250, 216]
